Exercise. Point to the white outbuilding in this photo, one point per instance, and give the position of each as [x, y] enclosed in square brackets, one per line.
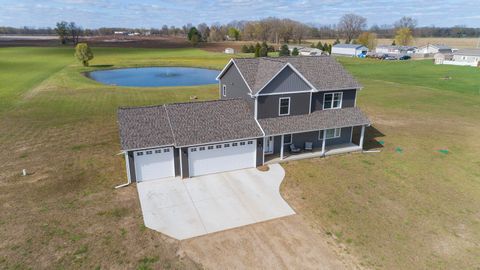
[354, 50]
[229, 51]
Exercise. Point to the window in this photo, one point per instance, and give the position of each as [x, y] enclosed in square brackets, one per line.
[226, 145]
[139, 153]
[166, 150]
[330, 133]
[287, 139]
[250, 142]
[224, 90]
[158, 151]
[218, 146]
[242, 143]
[234, 144]
[201, 148]
[210, 147]
[149, 152]
[193, 150]
[332, 101]
[284, 106]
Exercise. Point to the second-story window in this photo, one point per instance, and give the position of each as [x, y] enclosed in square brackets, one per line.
[284, 106]
[332, 101]
[224, 90]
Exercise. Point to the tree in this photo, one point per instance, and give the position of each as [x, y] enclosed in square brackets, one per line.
[62, 31]
[75, 32]
[83, 53]
[245, 49]
[393, 43]
[264, 50]
[337, 41]
[295, 51]
[194, 36]
[204, 31]
[284, 50]
[351, 25]
[257, 49]
[251, 48]
[320, 46]
[368, 40]
[406, 22]
[404, 36]
[234, 33]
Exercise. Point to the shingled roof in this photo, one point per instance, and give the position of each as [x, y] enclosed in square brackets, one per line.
[317, 120]
[322, 72]
[184, 124]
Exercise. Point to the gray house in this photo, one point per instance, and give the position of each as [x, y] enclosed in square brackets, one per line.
[463, 57]
[270, 110]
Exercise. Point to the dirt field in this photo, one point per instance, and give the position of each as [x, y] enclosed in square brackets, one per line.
[453, 42]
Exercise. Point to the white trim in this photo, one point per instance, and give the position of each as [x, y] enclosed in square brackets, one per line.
[265, 143]
[335, 136]
[355, 100]
[181, 163]
[333, 98]
[305, 131]
[285, 93]
[224, 90]
[280, 106]
[219, 142]
[294, 70]
[339, 89]
[256, 110]
[351, 134]
[239, 71]
[127, 165]
[282, 145]
[310, 105]
[362, 135]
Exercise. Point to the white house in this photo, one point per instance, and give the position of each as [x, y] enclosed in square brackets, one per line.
[433, 48]
[349, 50]
[393, 49]
[463, 57]
[229, 51]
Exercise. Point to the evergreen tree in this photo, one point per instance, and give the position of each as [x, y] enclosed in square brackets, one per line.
[245, 49]
[320, 46]
[284, 50]
[337, 41]
[295, 51]
[264, 50]
[251, 48]
[257, 49]
[393, 43]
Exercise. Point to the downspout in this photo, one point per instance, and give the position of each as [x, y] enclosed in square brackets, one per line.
[127, 165]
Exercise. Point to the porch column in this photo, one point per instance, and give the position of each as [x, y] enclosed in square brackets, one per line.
[281, 148]
[362, 136]
[323, 142]
[127, 166]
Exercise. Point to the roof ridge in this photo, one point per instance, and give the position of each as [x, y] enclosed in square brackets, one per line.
[177, 103]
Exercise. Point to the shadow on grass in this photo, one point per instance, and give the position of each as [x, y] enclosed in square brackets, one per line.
[372, 138]
[101, 66]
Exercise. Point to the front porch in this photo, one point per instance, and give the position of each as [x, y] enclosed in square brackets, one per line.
[329, 150]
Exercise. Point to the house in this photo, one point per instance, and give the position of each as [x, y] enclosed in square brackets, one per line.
[353, 50]
[269, 109]
[432, 49]
[462, 57]
[393, 49]
[229, 51]
[306, 51]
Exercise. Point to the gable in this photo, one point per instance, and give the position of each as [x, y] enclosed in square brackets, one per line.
[286, 81]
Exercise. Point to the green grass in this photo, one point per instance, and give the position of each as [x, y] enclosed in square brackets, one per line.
[412, 210]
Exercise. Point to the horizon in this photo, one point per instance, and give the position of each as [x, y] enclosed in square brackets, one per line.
[154, 14]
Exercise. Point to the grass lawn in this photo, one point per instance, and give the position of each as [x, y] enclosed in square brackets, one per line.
[415, 209]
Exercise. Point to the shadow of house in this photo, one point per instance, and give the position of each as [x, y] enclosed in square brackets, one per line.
[371, 140]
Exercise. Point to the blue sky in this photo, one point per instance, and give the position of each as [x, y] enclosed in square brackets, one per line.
[155, 13]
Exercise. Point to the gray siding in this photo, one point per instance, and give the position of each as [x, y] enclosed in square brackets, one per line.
[268, 105]
[236, 87]
[131, 163]
[176, 160]
[299, 140]
[184, 158]
[259, 161]
[348, 99]
[286, 81]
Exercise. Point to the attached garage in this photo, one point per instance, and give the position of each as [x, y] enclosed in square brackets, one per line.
[154, 164]
[222, 157]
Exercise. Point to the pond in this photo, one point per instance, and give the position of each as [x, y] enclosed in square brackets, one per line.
[155, 76]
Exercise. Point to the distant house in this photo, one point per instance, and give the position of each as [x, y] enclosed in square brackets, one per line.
[353, 50]
[119, 33]
[433, 48]
[463, 57]
[306, 51]
[393, 49]
[229, 51]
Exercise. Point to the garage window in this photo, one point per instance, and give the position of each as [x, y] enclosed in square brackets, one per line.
[234, 144]
[140, 154]
[158, 151]
[218, 146]
[166, 150]
[193, 150]
[242, 143]
[250, 142]
[226, 145]
[202, 148]
[210, 147]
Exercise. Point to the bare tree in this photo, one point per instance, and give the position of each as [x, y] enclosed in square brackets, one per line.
[406, 22]
[75, 32]
[204, 31]
[351, 25]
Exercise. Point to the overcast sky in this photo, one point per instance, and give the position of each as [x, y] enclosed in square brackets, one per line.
[155, 13]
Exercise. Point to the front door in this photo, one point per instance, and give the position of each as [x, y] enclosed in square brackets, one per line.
[268, 149]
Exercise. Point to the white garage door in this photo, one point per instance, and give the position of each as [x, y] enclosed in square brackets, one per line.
[154, 164]
[221, 157]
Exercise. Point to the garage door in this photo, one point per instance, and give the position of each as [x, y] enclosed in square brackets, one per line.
[221, 157]
[154, 164]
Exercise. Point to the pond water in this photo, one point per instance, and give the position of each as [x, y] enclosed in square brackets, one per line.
[155, 76]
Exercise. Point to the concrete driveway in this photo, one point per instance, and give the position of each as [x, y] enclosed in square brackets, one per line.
[187, 208]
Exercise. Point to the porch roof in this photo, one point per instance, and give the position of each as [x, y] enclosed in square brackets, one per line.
[317, 120]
